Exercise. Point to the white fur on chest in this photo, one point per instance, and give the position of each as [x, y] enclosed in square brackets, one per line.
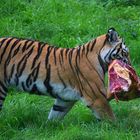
[67, 93]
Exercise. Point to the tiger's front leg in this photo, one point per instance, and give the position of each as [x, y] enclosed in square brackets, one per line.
[100, 108]
[60, 109]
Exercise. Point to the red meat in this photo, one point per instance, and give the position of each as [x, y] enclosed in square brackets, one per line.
[123, 82]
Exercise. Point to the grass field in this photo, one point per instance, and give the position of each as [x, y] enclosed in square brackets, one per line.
[66, 24]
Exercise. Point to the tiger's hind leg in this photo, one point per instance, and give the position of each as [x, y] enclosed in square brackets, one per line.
[60, 109]
[3, 94]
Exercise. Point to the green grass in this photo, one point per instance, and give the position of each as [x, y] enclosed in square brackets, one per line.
[24, 117]
[66, 24]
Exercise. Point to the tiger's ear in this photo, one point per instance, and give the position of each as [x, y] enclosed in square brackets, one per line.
[113, 36]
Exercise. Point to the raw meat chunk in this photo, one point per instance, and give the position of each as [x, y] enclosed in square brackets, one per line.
[123, 82]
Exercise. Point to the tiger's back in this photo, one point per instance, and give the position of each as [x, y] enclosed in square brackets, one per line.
[66, 74]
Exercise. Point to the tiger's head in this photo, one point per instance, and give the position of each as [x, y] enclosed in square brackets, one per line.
[114, 48]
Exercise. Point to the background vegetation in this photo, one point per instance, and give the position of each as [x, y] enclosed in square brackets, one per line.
[66, 24]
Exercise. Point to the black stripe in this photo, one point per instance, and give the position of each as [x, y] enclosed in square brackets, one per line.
[29, 81]
[35, 72]
[93, 45]
[5, 47]
[12, 48]
[61, 54]
[16, 51]
[70, 61]
[47, 80]
[25, 45]
[110, 56]
[60, 60]
[28, 46]
[102, 64]
[47, 55]
[70, 56]
[12, 71]
[54, 54]
[59, 108]
[23, 86]
[118, 50]
[40, 48]
[64, 84]
[32, 76]
[16, 79]
[3, 87]
[21, 65]
[66, 53]
[99, 89]
[78, 54]
[3, 41]
[71, 52]
[83, 50]
[106, 56]
[81, 88]
[87, 48]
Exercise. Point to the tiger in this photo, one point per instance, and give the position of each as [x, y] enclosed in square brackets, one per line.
[66, 74]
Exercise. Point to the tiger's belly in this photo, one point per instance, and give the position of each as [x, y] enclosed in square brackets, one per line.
[55, 90]
[65, 93]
